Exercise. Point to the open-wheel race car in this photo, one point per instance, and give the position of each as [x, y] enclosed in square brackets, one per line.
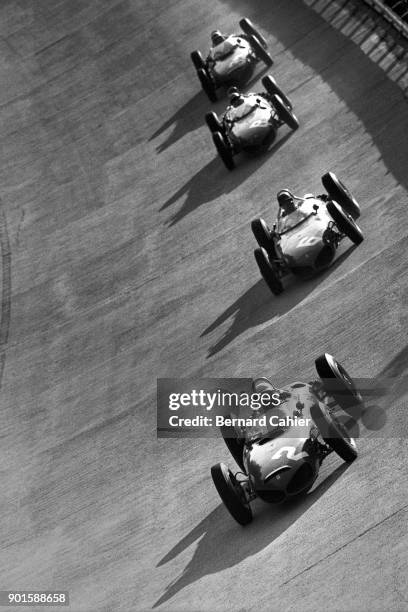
[279, 462]
[307, 232]
[251, 121]
[232, 58]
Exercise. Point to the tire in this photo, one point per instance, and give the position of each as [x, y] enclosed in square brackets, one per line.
[285, 114]
[213, 122]
[339, 384]
[232, 497]
[273, 89]
[249, 29]
[263, 237]
[234, 444]
[334, 433]
[268, 271]
[207, 84]
[223, 150]
[197, 60]
[345, 223]
[338, 191]
[259, 50]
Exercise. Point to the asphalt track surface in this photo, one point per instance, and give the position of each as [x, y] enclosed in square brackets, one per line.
[126, 254]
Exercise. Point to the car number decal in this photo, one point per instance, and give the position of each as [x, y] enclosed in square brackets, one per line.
[290, 453]
[307, 241]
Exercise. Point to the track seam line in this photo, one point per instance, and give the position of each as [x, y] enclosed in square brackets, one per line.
[363, 533]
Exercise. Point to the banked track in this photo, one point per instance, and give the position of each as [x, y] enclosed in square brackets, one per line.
[127, 255]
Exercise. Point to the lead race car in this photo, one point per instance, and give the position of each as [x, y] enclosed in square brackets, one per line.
[307, 232]
[251, 121]
[279, 462]
[232, 59]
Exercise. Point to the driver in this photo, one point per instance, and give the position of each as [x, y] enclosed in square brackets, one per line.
[241, 105]
[236, 98]
[221, 45]
[286, 202]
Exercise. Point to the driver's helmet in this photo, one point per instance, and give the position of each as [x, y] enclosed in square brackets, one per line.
[263, 385]
[234, 96]
[286, 201]
[217, 37]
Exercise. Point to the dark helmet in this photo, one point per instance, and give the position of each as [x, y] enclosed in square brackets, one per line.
[217, 37]
[286, 200]
[233, 95]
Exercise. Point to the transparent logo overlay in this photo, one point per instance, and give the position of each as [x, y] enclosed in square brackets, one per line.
[250, 409]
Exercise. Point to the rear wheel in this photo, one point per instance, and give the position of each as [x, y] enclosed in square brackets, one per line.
[213, 122]
[234, 444]
[338, 383]
[223, 150]
[273, 88]
[197, 60]
[260, 51]
[207, 84]
[345, 223]
[268, 271]
[285, 113]
[334, 433]
[263, 237]
[338, 191]
[231, 493]
[250, 30]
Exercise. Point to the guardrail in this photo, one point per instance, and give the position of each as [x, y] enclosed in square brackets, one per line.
[394, 11]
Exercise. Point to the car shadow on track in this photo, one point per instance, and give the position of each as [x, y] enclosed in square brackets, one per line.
[214, 180]
[190, 116]
[270, 522]
[257, 305]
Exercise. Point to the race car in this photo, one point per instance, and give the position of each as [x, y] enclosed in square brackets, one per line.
[307, 232]
[232, 59]
[251, 121]
[279, 462]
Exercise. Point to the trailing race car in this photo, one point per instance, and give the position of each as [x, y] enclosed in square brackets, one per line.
[232, 59]
[279, 462]
[251, 121]
[307, 232]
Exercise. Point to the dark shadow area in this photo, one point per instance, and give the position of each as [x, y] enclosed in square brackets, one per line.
[214, 180]
[382, 414]
[190, 116]
[238, 543]
[396, 369]
[258, 305]
[354, 77]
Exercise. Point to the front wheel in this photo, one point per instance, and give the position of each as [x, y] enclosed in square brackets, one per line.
[345, 223]
[338, 383]
[338, 191]
[231, 493]
[223, 150]
[268, 271]
[273, 89]
[285, 113]
[333, 433]
[207, 84]
[249, 29]
[260, 51]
